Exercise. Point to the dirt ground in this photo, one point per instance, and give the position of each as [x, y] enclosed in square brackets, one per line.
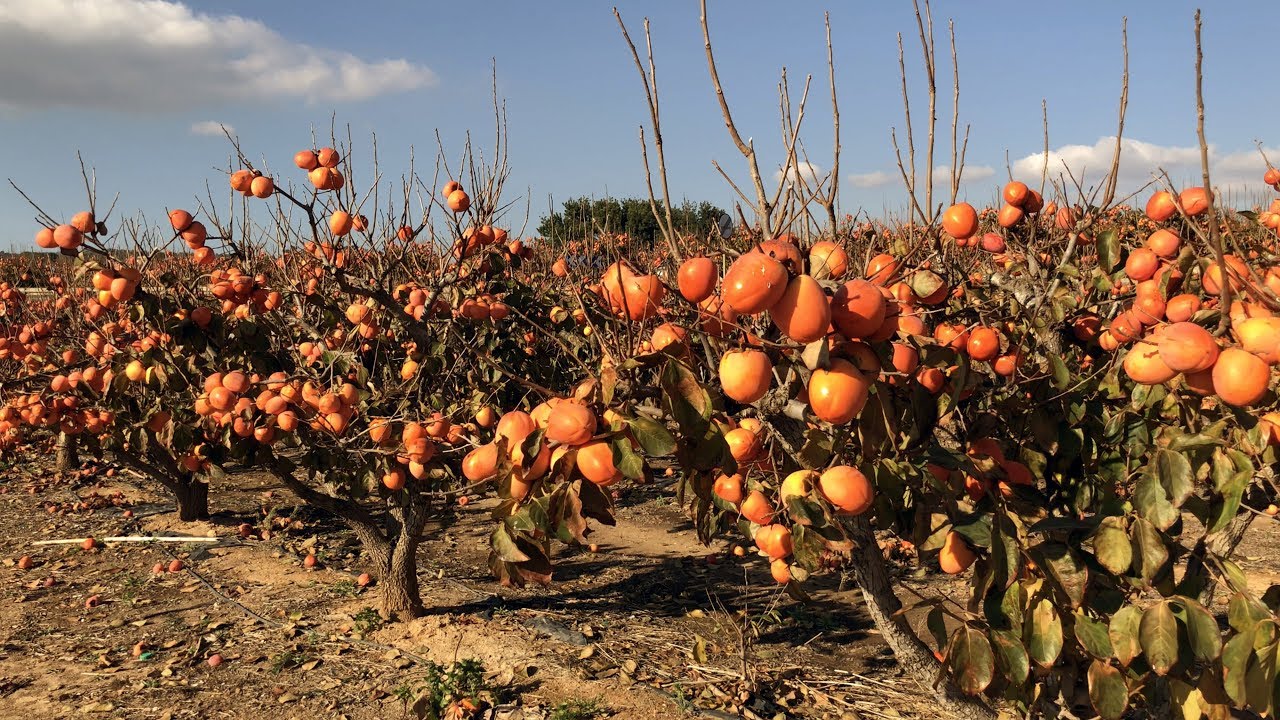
[651, 626]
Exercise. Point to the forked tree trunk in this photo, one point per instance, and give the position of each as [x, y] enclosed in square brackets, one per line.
[193, 500]
[400, 599]
[68, 456]
[911, 653]
[393, 551]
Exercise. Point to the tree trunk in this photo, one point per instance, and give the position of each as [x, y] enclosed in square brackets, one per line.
[193, 500]
[400, 600]
[68, 457]
[375, 544]
[911, 653]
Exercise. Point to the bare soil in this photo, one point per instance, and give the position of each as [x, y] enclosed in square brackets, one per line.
[650, 626]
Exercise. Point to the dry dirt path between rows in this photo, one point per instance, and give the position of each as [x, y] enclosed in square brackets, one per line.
[648, 626]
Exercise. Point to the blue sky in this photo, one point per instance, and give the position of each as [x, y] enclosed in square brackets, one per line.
[127, 81]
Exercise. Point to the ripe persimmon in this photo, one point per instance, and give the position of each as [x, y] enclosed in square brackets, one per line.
[744, 446]
[847, 489]
[696, 279]
[983, 344]
[803, 312]
[745, 375]
[458, 201]
[729, 488]
[262, 187]
[757, 508]
[1260, 336]
[1240, 378]
[858, 309]
[1141, 264]
[1016, 193]
[838, 393]
[882, 269]
[480, 463]
[1164, 243]
[1143, 365]
[570, 423]
[340, 223]
[960, 220]
[774, 540]
[753, 283]
[595, 462]
[1194, 201]
[956, 556]
[827, 260]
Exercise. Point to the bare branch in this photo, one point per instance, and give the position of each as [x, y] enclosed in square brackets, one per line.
[763, 209]
[1109, 193]
[1211, 213]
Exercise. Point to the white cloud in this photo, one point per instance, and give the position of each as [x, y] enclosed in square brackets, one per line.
[156, 55]
[211, 127]
[941, 176]
[871, 179]
[1140, 161]
[812, 174]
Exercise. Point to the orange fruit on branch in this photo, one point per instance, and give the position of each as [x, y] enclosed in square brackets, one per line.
[753, 283]
[745, 375]
[847, 489]
[838, 393]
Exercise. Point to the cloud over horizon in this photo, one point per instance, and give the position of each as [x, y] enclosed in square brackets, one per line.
[211, 127]
[941, 177]
[810, 172]
[159, 55]
[1140, 161]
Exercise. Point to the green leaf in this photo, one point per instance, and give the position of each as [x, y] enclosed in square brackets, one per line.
[1107, 691]
[936, 623]
[1043, 632]
[971, 660]
[805, 511]
[1011, 656]
[1158, 634]
[1065, 568]
[1260, 678]
[1176, 475]
[1123, 633]
[1111, 546]
[1108, 250]
[1005, 556]
[1093, 636]
[1243, 612]
[689, 403]
[1151, 501]
[1152, 554]
[1234, 575]
[505, 546]
[976, 528]
[1235, 661]
[1061, 376]
[1202, 630]
[652, 436]
[1231, 472]
[625, 458]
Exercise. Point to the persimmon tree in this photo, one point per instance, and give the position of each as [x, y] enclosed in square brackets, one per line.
[1063, 401]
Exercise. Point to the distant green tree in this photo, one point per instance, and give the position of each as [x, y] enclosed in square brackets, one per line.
[585, 217]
